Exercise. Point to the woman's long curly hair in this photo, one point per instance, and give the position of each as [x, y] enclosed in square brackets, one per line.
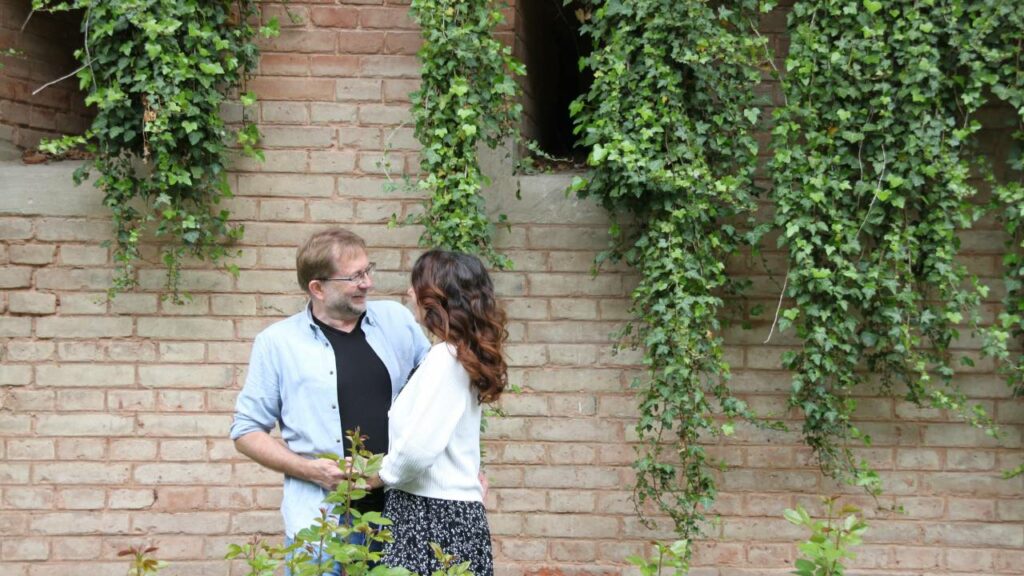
[456, 298]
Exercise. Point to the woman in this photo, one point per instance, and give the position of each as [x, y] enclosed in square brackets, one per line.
[432, 467]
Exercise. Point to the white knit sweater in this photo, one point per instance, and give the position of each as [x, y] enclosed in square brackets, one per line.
[434, 432]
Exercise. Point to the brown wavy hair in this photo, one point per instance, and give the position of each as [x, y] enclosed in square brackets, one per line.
[456, 297]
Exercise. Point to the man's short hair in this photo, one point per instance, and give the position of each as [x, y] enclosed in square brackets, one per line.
[315, 258]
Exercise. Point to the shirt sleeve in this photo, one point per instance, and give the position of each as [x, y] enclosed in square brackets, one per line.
[429, 420]
[258, 406]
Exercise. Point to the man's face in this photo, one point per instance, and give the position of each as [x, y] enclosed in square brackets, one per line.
[343, 299]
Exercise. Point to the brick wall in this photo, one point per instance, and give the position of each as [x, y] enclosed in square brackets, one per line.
[114, 416]
[45, 53]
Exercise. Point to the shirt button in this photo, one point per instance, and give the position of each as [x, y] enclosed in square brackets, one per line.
[338, 440]
[332, 372]
[333, 407]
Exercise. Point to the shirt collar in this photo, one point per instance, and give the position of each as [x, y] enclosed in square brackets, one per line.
[369, 318]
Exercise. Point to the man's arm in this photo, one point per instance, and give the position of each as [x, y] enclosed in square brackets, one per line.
[271, 453]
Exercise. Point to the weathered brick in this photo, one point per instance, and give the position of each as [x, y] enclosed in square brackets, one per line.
[384, 114]
[85, 375]
[81, 498]
[25, 549]
[83, 255]
[387, 18]
[389, 66]
[62, 473]
[15, 228]
[26, 498]
[285, 185]
[191, 425]
[572, 526]
[136, 449]
[330, 65]
[181, 400]
[361, 42]
[31, 253]
[283, 65]
[335, 17]
[83, 303]
[81, 448]
[73, 400]
[131, 499]
[305, 41]
[73, 230]
[358, 90]
[129, 400]
[83, 327]
[332, 162]
[15, 277]
[84, 425]
[186, 328]
[15, 374]
[77, 523]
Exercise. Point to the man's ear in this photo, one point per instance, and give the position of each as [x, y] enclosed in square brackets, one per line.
[316, 289]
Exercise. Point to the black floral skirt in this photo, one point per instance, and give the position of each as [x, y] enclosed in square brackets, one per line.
[460, 528]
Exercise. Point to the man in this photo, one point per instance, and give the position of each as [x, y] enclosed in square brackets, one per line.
[335, 366]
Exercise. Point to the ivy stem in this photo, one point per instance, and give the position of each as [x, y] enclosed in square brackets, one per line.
[782, 294]
[62, 78]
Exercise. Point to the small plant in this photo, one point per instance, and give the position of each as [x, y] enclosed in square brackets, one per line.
[261, 557]
[831, 538]
[674, 556]
[143, 562]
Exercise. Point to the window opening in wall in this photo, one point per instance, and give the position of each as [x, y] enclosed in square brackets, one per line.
[37, 48]
[548, 41]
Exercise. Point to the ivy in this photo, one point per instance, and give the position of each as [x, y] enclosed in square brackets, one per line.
[871, 174]
[467, 97]
[669, 122]
[1000, 37]
[158, 72]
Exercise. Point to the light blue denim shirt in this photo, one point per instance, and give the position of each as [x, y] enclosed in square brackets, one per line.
[291, 382]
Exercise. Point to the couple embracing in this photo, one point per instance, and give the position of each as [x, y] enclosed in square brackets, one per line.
[345, 362]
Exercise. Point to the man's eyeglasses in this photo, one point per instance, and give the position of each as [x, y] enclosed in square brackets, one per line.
[356, 278]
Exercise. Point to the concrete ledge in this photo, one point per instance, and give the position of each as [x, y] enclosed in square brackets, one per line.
[47, 190]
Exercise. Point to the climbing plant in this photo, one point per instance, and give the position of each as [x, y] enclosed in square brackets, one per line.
[669, 122]
[871, 173]
[157, 73]
[871, 169]
[467, 97]
[999, 37]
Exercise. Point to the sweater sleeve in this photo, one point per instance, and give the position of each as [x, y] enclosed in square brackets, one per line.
[429, 417]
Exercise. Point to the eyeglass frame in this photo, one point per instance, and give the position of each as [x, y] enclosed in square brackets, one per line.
[356, 278]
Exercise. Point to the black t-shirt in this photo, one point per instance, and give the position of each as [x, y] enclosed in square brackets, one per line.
[364, 395]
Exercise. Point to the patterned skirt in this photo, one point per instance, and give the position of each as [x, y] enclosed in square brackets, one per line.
[460, 528]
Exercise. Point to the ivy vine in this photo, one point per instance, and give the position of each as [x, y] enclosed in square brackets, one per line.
[871, 168]
[1000, 33]
[467, 96]
[157, 72]
[669, 121]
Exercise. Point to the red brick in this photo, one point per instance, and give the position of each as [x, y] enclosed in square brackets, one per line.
[361, 42]
[335, 17]
[334, 65]
[388, 18]
[402, 42]
[280, 88]
[305, 41]
[284, 65]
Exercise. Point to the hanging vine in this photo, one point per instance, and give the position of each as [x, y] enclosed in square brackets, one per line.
[669, 121]
[157, 72]
[467, 96]
[999, 41]
[871, 182]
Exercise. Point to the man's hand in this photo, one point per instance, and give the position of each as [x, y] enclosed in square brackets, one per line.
[325, 473]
